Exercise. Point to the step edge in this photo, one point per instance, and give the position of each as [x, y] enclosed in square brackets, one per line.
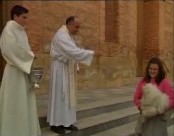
[103, 103]
[106, 117]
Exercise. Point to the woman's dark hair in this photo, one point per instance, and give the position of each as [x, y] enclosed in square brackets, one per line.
[18, 10]
[161, 74]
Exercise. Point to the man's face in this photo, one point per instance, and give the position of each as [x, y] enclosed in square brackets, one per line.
[74, 26]
[21, 19]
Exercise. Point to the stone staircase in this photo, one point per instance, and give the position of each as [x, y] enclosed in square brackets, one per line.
[109, 117]
[101, 115]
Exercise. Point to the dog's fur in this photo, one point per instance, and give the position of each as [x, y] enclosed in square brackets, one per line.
[153, 101]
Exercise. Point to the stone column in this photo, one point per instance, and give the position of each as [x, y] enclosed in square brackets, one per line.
[166, 35]
[158, 31]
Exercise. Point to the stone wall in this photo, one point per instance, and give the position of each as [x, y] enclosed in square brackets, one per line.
[159, 28]
[46, 17]
[136, 32]
[166, 42]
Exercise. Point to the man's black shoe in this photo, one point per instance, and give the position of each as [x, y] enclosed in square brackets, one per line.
[72, 128]
[58, 129]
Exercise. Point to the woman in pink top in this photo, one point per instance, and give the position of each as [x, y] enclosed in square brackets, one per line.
[155, 74]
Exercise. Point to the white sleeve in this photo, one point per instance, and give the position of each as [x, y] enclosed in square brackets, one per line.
[73, 52]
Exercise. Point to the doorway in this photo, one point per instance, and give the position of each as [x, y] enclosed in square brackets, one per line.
[2, 62]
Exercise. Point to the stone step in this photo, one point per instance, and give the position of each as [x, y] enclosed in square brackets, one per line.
[98, 107]
[90, 125]
[101, 122]
[123, 130]
[127, 130]
[117, 123]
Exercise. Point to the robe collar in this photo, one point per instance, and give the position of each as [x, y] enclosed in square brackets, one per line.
[66, 29]
[15, 24]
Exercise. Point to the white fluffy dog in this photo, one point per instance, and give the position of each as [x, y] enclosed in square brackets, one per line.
[153, 101]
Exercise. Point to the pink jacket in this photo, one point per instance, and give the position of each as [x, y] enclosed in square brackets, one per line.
[164, 86]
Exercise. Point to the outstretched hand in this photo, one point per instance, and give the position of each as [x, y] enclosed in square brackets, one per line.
[96, 52]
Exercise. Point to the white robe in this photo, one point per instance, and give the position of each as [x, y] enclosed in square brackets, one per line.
[65, 55]
[18, 113]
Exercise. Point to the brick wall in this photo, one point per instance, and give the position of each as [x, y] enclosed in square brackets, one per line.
[166, 37]
[115, 66]
[111, 21]
[108, 27]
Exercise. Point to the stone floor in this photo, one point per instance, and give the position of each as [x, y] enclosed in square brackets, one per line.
[89, 97]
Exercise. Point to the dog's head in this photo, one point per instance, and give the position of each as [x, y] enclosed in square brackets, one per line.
[147, 88]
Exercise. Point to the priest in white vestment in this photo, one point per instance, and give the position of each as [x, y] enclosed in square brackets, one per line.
[64, 57]
[18, 113]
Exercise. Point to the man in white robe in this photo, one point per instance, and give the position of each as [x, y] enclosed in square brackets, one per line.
[65, 55]
[18, 113]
